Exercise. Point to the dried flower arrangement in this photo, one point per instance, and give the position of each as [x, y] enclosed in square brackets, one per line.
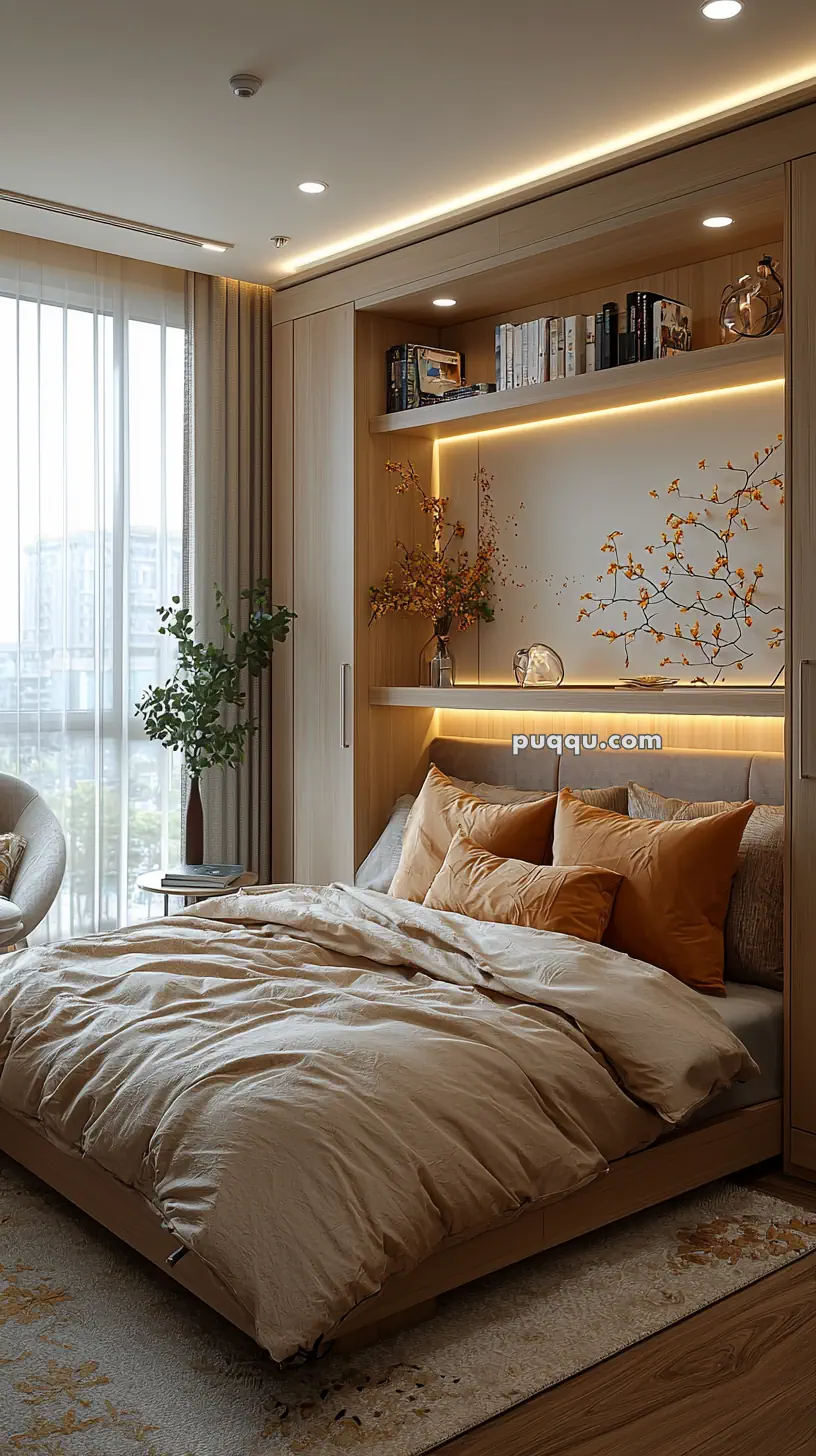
[441, 583]
[725, 606]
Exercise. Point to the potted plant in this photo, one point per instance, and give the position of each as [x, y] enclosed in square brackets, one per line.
[438, 581]
[186, 712]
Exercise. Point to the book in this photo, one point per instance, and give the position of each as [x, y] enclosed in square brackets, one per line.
[201, 877]
[590, 343]
[468, 391]
[525, 354]
[631, 327]
[599, 364]
[557, 362]
[509, 369]
[499, 347]
[518, 356]
[609, 337]
[533, 376]
[543, 350]
[672, 328]
[574, 345]
[625, 341]
[645, 325]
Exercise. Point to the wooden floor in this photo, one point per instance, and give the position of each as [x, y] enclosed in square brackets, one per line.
[738, 1379]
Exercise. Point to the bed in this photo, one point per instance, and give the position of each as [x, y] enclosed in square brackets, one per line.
[125, 1057]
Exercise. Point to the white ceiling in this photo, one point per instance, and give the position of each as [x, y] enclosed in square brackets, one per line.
[124, 108]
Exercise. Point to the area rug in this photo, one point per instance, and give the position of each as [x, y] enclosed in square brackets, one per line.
[102, 1355]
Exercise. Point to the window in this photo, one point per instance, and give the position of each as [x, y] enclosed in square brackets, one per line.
[91, 479]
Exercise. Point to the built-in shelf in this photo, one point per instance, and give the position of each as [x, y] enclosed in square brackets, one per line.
[725, 701]
[747, 361]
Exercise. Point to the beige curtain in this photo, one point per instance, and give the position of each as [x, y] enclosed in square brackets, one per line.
[230, 524]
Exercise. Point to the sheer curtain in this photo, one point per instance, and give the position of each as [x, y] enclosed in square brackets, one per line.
[91, 487]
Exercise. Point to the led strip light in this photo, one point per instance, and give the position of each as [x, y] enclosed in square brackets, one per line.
[85, 214]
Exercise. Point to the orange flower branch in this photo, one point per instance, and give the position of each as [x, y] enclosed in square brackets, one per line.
[724, 603]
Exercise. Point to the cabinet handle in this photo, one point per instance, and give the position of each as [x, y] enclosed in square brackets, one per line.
[345, 678]
[807, 719]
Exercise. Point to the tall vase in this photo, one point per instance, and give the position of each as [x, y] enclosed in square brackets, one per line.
[194, 826]
[442, 666]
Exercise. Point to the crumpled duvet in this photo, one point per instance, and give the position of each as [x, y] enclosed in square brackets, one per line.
[318, 1087]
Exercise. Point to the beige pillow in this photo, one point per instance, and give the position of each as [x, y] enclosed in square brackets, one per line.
[671, 906]
[523, 831]
[12, 849]
[611, 798]
[754, 925]
[474, 882]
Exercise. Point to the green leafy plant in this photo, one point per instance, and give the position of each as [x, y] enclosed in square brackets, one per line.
[185, 713]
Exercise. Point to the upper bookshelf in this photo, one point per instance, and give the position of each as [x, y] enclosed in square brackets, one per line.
[725, 366]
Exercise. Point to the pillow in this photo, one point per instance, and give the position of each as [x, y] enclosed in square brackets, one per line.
[523, 831]
[474, 882]
[754, 925]
[380, 864]
[613, 798]
[671, 906]
[12, 849]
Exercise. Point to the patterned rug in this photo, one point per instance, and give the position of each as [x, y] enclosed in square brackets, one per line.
[101, 1355]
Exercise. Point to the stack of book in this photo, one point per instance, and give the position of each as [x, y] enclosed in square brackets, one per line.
[186, 877]
[650, 327]
[418, 374]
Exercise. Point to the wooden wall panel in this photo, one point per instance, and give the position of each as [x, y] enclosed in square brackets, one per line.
[282, 575]
[753, 735]
[324, 595]
[801, 500]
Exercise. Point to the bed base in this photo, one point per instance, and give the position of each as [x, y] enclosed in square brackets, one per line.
[677, 1164]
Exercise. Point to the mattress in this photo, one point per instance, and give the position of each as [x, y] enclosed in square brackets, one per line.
[754, 1014]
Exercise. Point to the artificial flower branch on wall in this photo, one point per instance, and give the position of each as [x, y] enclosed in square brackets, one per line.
[722, 597]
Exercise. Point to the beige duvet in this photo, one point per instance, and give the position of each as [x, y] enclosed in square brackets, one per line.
[315, 1090]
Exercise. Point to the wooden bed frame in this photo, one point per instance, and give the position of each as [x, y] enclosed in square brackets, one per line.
[677, 1164]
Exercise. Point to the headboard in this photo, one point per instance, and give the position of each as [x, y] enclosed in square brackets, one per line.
[685, 773]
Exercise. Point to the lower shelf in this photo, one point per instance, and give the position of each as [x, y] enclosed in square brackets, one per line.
[733, 702]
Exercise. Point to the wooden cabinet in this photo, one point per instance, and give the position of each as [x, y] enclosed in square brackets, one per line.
[801, 662]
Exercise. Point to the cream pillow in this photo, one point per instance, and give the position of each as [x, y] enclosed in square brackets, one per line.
[474, 882]
[671, 906]
[754, 925]
[523, 831]
[611, 798]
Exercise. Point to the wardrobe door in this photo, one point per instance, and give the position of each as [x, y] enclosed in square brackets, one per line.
[801, 662]
[323, 635]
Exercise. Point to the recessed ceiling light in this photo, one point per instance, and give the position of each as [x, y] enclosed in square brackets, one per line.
[717, 222]
[214, 247]
[444, 303]
[312, 186]
[721, 9]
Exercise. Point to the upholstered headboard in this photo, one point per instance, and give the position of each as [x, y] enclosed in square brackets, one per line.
[686, 773]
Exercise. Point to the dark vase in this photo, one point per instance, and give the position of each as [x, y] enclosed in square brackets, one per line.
[194, 826]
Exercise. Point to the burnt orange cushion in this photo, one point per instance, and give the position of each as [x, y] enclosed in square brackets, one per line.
[523, 831]
[474, 882]
[671, 905]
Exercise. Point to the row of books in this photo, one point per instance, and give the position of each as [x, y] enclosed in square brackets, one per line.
[418, 374]
[649, 327]
[201, 877]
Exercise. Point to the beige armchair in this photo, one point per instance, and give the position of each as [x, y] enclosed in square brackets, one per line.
[38, 879]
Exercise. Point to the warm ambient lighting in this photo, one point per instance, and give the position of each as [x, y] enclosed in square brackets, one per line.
[717, 222]
[444, 303]
[717, 106]
[617, 409]
[312, 187]
[721, 9]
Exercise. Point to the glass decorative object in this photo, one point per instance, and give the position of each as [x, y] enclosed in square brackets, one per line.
[753, 306]
[538, 666]
[441, 668]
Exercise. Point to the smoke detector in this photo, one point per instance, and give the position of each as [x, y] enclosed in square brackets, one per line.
[280, 240]
[244, 85]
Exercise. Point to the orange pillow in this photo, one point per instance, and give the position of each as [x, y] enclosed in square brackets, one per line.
[474, 882]
[672, 902]
[521, 830]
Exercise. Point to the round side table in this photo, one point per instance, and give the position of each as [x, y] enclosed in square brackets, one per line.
[152, 885]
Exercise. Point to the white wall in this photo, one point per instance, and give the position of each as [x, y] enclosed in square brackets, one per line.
[559, 489]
